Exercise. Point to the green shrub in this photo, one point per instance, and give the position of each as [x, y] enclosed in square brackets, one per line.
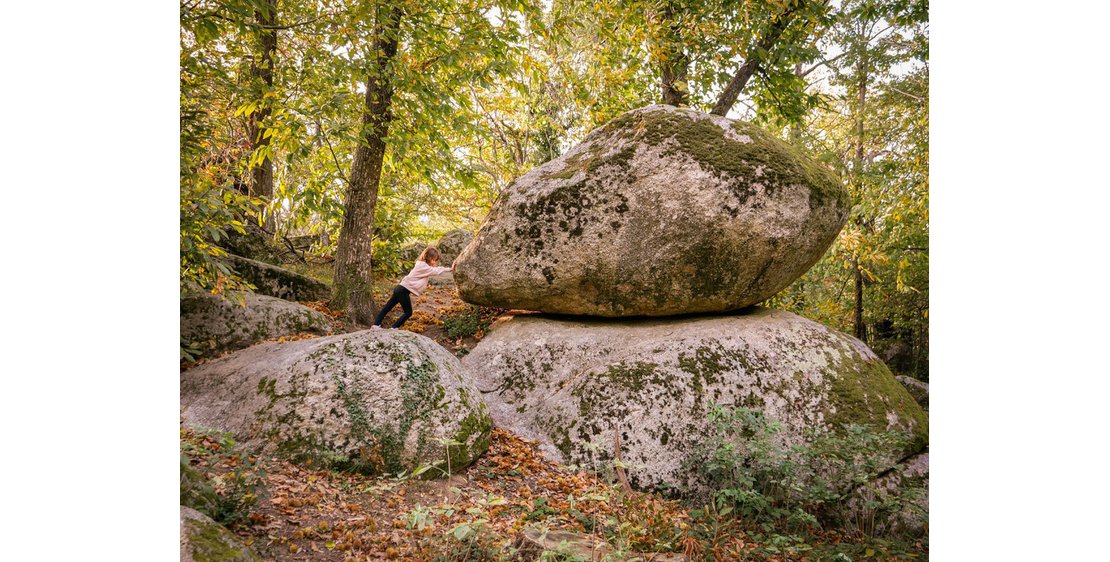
[799, 487]
[469, 321]
[389, 259]
[237, 490]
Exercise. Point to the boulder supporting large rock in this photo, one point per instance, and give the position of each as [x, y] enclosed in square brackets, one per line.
[204, 540]
[215, 324]
[375, 401]
[662, 211]
[275, 281]
[579, 387]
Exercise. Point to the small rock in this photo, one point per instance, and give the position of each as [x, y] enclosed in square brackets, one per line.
[204, 540]
[910, 481]
[452, 244]
[532, 544]
[918, 389]
[217, 324]
[279, 282]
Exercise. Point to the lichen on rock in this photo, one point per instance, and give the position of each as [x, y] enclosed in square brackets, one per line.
[662, 211]
[371, 401]
[274, 281]
[237, 320]
[580, 386]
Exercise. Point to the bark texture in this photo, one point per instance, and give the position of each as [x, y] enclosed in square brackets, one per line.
[859, 325]
[262, 68]
[676, 64]
[353, 277]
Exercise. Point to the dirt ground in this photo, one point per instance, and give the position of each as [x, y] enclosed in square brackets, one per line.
[305, 514]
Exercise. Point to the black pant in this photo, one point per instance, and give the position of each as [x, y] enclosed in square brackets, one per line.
[400, 295]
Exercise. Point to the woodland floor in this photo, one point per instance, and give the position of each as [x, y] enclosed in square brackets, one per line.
[291, 512]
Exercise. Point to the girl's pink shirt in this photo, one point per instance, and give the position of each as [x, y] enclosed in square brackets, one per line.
[417, 279]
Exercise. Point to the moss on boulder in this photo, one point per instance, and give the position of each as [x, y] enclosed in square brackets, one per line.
[279, 282]
[375, 401]
[662, 211]
[216, 324]
[452, 243]
[580, 386]
[204, 540]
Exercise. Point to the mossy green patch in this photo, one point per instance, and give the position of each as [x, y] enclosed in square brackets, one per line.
[375, 442]
[863, 390]
[471, 440]
[211, 542]
[765, 160]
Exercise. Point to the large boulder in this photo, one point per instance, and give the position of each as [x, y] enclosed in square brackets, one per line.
[662, 211]
[204, 540]
[411, 250]
[215, 324]
[452, 244]
[375, 401]
[581, 386]
[254, 243]
[275, 281]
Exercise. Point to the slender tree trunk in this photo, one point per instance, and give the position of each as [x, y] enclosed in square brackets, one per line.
[796, 128]
[732, 92]
[262, 69]
[677, 65]
[857, 171]
[353, 277]
[859, 326]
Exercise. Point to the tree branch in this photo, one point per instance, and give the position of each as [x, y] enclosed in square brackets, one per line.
[907, 94]
[338, 168]
[746, 70]
[822, 63]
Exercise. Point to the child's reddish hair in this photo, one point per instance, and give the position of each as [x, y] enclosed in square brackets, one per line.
[430, 253]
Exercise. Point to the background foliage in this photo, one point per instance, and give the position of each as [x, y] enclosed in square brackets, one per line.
[488, 89]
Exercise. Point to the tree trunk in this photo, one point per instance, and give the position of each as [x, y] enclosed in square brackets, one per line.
[677, 65]
[796, 128]
[353, 277]
[857, 171]
[262, 70]
[860, 327]
[751, 64]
